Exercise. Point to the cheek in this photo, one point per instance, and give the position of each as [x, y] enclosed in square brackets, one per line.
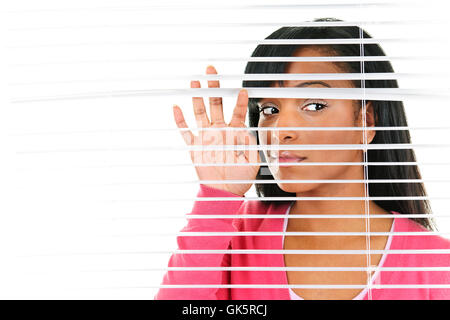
[268, 137]
[333, 137]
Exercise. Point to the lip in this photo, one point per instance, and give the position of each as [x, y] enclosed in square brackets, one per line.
[286, 156]
[284, 159]
[287, 159]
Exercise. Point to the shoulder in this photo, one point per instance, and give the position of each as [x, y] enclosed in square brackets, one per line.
[259, 208]
[412, 236]
[427, 240]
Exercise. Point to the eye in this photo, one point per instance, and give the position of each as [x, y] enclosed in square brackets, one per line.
[266, 109]
[315, 106]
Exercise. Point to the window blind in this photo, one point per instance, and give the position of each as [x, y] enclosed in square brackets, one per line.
[101, 184]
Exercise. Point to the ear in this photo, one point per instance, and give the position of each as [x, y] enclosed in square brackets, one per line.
[370, 122]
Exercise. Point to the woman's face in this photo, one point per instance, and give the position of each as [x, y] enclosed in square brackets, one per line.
[291, 112]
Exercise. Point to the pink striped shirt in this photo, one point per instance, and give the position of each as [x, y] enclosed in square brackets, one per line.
[421, 281]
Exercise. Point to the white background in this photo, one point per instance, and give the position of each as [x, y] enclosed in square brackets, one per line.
[78, 208]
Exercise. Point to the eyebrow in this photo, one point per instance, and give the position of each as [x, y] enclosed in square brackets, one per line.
[309, 83]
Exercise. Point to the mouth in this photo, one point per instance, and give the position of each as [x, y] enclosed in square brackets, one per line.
[286, 156]
[288, 159]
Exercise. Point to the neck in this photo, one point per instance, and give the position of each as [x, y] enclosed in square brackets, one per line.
[341, 207]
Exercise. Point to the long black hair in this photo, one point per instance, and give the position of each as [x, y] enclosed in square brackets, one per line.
[387, 113]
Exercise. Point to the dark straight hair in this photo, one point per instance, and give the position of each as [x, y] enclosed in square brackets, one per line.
[387, 113]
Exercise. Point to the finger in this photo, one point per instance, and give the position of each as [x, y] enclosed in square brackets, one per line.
[215, 103]
[181, 123]
[246, 144]
[201, 116]
[251, 155]
[240, 111]
[238, 153]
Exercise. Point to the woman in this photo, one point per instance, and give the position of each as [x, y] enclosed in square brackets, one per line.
[283, 114]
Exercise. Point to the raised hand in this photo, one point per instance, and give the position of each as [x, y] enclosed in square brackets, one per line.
[220, 138]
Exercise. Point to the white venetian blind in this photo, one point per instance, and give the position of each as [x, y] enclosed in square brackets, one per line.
[97, 179]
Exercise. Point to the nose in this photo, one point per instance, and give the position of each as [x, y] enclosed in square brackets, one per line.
[286, 135]
[286, 120]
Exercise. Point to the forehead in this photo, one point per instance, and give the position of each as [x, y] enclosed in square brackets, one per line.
[314, 67]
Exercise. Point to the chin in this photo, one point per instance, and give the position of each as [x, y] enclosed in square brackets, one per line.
[297, 187]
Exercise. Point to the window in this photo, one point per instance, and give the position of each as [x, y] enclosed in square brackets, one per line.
[102, 178]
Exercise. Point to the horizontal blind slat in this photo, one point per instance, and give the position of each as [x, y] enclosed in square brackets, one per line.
[381, 94]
